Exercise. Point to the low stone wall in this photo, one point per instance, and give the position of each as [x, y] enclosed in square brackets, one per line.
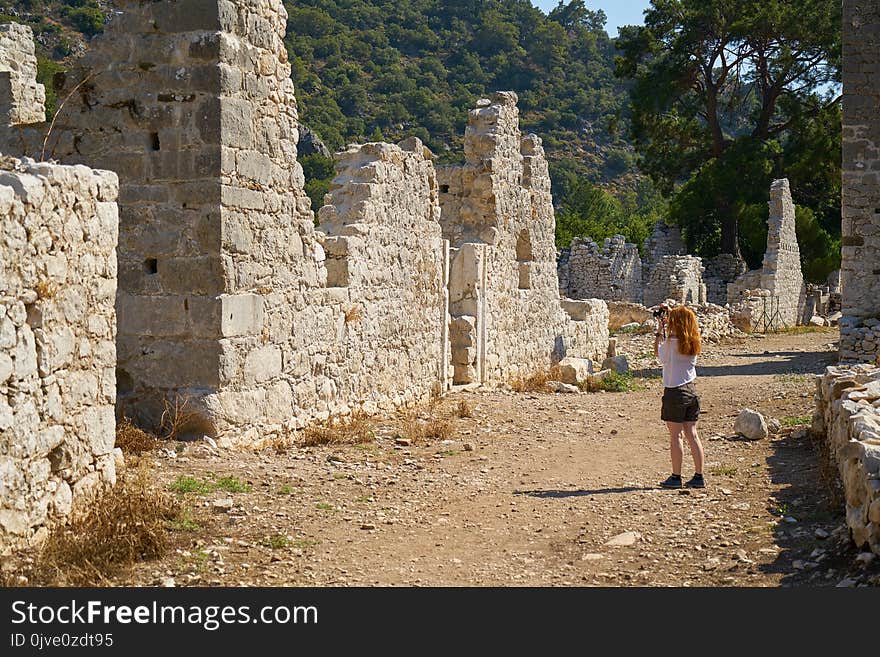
[848, 418]
[612, 272]
[860, 340]
[622, 312]
[719, 271]
[676, 277]
[57, 342]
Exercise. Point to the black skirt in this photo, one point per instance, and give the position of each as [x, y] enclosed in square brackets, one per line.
[681, 404]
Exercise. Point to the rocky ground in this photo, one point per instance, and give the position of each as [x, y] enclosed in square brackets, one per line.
[533, 490]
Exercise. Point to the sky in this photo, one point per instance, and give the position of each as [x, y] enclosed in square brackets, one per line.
[619, 12]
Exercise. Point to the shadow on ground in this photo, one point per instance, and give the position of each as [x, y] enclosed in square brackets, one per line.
[805, 504]
[561, 494]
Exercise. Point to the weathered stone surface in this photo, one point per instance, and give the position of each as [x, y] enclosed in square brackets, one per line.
[847, 417]
[22, 98]
[619, 364]
[498, 216]
[612, 272]
[773, 297]
[575, 370]
[751, 425]
[57, 323]
[859, 270]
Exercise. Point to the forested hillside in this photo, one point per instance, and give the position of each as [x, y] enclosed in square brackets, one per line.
[387, 69]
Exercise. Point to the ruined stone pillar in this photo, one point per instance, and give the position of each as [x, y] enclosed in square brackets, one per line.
[860, 266]
[22, 98]
[781, 271]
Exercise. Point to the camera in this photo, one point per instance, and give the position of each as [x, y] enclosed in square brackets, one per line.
[659, 312]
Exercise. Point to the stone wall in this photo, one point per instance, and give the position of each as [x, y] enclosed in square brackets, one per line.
[224, 297]
[848, 417]
[675, 277]
[231, 299]
[860, 266]
[497, 213]
[57, 341]
[718, 273]
[612, 272]
[22, 98]
[776, 292]
[664, 240]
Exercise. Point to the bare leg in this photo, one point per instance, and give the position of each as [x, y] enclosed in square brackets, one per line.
[676, 449]
[690, 432]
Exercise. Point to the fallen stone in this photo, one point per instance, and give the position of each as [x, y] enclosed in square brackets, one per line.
[559, 386]
[575, 370]
[222, 506]
[403, 442]
[168, 582]
[592, 556]
[618, 364]
[846, 583]
[821, 534]
[625, 539]
[815, 320]
[751, 424]
[774, 426]
[368, 526]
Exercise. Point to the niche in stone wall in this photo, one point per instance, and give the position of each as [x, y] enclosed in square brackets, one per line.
[524, 259]
[337, 262]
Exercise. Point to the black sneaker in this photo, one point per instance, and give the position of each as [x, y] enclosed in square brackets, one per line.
[696, 482]
[672, 481]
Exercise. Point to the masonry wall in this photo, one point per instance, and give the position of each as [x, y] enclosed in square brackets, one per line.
[22, 98]
[612, 272]
[224, 297]
[848, 417]
[675, 277]
[719, 272]
[664, 240]
[776, 292]
[57, 342]
[860, 266]
[497, 213]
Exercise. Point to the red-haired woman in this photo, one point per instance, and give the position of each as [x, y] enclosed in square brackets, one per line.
[677, 345]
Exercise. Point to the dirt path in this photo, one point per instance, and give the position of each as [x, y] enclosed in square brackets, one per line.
[529, 490]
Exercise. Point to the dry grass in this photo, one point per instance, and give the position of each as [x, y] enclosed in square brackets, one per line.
[134, 440]
[353, 314]
[354, 429]
[178, 418]
[125, 525]
[536, 382]
[420, 430]
[463, 409]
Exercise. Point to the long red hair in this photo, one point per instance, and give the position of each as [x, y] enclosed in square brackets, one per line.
[683, 325]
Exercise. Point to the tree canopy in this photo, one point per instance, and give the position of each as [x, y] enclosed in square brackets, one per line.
[727, 95]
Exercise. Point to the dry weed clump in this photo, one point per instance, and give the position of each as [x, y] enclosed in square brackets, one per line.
[134, 440]
[124, 525]
[356, 428]
[537, 382]
[176, 418]
[464, 409]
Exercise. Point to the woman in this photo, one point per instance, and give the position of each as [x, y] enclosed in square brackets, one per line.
[677, 344]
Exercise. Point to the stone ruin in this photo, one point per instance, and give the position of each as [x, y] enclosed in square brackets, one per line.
[665, 240]
[57, 341]
[718, 273]
[22, 98]
[677, 277]
[773, 296]
[612, 272]
[229, 298]
[497, 214]
[860, 266]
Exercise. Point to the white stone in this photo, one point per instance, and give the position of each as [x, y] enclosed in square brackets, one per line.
[751, 425]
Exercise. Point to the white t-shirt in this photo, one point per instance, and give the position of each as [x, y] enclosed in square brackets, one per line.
[678, 369]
